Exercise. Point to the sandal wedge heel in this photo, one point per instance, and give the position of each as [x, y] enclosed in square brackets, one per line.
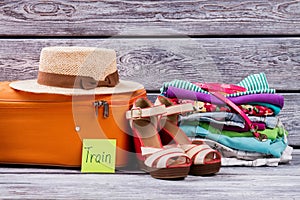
[205, 160]
[169, 162]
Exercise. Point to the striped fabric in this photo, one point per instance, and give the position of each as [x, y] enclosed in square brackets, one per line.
[182, 84]
[255, 84]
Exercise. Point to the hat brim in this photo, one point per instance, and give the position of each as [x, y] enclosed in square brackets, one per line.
[32, 86]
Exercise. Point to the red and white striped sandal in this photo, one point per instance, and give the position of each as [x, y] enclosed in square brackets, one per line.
[168, 162]
[205, 160]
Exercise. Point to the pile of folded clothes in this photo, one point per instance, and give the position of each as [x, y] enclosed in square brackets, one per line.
[232, 118]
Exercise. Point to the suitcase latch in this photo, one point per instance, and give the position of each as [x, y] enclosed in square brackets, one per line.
[98, 104]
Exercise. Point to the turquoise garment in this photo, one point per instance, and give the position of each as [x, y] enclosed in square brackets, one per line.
[255, 84]
[275, 109]
[270, 147]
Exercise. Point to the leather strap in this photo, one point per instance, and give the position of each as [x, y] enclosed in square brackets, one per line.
[221, 87]
[251, 127]
[159, 157]
[199, 152]
[179, 108]
[175, 109]
[137, 112]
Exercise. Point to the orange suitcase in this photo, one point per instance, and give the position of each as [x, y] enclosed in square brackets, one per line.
[46, 129]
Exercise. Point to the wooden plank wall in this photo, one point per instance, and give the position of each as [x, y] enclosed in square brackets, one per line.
[158, 41]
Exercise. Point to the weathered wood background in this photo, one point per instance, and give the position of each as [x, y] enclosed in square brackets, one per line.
[111, 18]
[158, 41]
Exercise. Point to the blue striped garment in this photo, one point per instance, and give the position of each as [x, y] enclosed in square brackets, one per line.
[255, 84]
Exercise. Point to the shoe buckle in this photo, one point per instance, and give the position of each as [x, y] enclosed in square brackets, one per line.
[139, 112]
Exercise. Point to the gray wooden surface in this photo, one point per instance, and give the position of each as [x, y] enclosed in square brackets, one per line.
[157, 41]
[153, 61]
[94, 18]
[232, 183]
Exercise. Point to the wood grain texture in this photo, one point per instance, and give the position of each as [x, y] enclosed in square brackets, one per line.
[154, 61]
[94, 18]
[290, 116]
[234, 183]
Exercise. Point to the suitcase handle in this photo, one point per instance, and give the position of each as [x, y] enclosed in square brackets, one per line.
[98, 104]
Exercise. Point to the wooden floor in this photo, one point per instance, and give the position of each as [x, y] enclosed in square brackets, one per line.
[282, 182]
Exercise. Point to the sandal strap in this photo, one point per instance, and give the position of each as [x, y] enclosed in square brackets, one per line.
[200, 157]
[198, 152]
[161, 156]
[137, 112]
[179, 108]
[164, 160]
[188, 147]
[251, 127]
[157, 152]
[145, 151]
[196, 149]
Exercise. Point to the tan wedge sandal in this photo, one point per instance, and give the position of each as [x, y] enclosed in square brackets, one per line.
[205, 160]
[161, 162]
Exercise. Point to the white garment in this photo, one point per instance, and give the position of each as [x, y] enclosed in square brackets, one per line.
[271, 162]
[231, 157]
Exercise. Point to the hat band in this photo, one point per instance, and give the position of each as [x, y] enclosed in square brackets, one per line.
[71, 81]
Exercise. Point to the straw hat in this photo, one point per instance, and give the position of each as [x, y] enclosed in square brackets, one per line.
[77, 71]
